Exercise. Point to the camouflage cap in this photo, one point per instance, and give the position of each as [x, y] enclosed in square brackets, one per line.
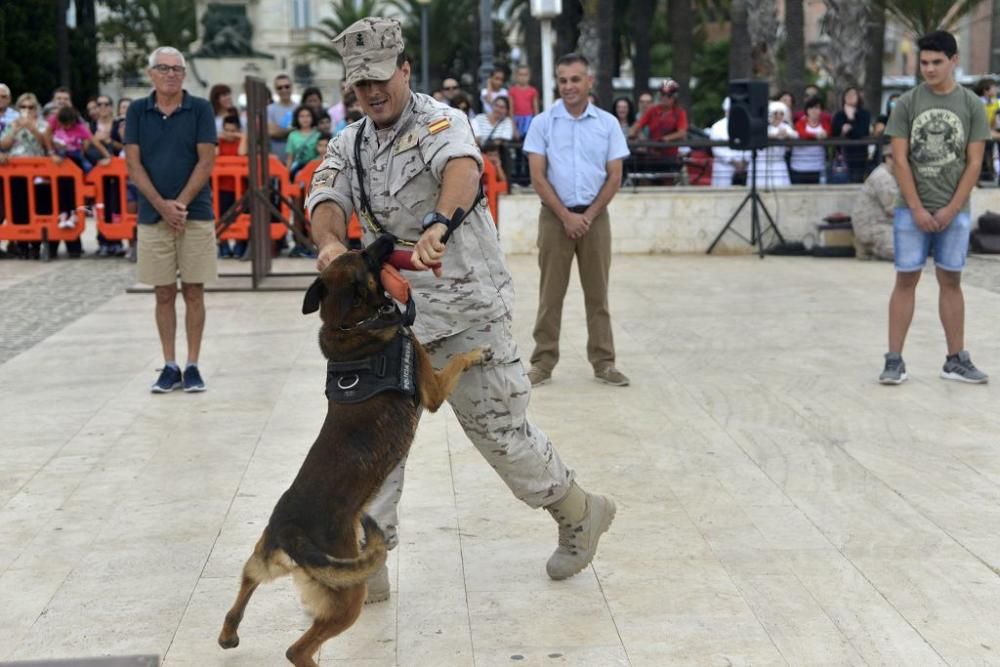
[369, 48]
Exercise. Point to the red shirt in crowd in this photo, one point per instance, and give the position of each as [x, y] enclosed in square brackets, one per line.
[523, 100]
[662, 121]
[808, 132]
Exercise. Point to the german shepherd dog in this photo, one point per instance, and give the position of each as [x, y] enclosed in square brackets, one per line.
[313, 533]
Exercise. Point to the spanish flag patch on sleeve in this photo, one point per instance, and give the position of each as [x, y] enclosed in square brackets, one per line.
[439, 125]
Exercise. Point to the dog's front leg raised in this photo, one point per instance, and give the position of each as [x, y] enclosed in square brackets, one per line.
[436, 386]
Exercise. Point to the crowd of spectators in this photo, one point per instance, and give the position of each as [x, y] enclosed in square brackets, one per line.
[500, 114]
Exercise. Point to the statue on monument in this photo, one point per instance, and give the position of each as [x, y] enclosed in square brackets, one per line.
[227, 32]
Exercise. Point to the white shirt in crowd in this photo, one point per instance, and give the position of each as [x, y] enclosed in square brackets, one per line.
[810, 158]
[724, 157]
[486, 131]
[772, 172]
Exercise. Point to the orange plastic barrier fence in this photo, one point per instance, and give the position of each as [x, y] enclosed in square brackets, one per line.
[30, 187]
[109, 188]
[493, 187]
[231, 175]
[303, 179]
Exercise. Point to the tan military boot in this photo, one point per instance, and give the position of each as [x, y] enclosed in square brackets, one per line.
[582, 517]
[378, 586]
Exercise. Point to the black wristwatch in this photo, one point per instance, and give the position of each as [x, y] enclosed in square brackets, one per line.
[433, 218]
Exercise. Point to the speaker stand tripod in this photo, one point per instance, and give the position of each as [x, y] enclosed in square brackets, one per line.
[756, 233]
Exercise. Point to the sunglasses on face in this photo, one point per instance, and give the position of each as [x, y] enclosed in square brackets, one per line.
[168, 69]
[288, 87]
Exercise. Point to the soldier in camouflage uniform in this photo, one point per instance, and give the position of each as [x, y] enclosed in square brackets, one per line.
[419, 163]
[873, 213]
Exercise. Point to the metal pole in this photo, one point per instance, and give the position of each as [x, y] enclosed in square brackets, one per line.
[548, 76]
[425, 57]
[485, 41]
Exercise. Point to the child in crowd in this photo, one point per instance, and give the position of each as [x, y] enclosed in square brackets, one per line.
[323, 122]
[524, 97]
[70, 139]
[301, 147]
[232, 142]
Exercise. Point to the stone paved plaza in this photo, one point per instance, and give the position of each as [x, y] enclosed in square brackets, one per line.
[776, 506]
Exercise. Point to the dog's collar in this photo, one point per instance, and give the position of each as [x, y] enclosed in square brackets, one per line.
[378, 319]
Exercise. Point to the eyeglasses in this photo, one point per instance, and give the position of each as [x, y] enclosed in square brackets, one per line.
[285, 87]
[169, 69]
[104, 104]
[450, 88]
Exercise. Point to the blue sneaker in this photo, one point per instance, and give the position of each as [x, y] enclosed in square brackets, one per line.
[192, 379]
[169, 380]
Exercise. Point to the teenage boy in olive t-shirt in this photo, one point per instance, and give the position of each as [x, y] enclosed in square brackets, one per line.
[938, 131]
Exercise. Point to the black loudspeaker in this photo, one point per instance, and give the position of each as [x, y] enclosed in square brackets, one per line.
[747, 114]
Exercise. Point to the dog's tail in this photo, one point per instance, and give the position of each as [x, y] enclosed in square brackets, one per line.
[345, 572]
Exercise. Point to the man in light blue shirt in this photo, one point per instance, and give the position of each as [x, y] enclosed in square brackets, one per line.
[575, 153]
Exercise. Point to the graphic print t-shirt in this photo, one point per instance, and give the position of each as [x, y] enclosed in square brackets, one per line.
[939, 128]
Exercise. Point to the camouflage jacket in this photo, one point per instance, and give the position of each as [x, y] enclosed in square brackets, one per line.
[876, 203]
[403, 180]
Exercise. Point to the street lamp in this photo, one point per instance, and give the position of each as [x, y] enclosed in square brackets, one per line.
[545, 11]
[425, 77]
[485, 42]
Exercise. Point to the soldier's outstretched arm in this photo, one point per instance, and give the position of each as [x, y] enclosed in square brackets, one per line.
[459, 188]
[329, 232]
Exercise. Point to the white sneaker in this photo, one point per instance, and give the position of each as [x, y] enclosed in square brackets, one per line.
[66, 221]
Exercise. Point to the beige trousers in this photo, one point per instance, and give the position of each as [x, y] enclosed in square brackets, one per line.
[555, 259]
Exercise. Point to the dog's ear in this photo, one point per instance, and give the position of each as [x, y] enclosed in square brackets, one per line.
[314, 296]
[379, 251]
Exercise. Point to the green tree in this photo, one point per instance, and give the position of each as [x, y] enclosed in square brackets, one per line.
[345, 12]
[453, 36]
[136, 27]
[710, 68]
[28, 49]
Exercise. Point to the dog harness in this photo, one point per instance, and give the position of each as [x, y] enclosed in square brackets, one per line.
[392, 369]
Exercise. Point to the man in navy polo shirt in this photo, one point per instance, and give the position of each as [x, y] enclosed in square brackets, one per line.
[170, 148]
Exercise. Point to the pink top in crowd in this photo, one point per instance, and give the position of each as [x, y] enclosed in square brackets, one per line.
[72, 138]
[522, 100]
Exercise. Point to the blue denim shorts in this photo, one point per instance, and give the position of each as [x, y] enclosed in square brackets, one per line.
[914, 245]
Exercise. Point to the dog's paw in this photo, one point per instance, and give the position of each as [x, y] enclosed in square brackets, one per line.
[230, 641]
[485, 354]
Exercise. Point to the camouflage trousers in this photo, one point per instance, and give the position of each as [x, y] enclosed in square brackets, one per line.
[873, 241]
[491, 403]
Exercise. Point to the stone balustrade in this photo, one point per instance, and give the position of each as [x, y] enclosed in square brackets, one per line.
[685, 220]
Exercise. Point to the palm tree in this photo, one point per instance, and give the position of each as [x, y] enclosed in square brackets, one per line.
[924, 16]
[640, 20]
[845, 24]
[739, 41]
[680, 19]
[596, 43]
[345, 13]
[873, 62]
[795, 48]
[606, 28]
[762, 25]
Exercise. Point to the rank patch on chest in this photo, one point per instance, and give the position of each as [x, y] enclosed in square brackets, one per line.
[439, 125]
[406, 142]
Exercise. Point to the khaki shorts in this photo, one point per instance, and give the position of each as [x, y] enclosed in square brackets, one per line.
[162, 253]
